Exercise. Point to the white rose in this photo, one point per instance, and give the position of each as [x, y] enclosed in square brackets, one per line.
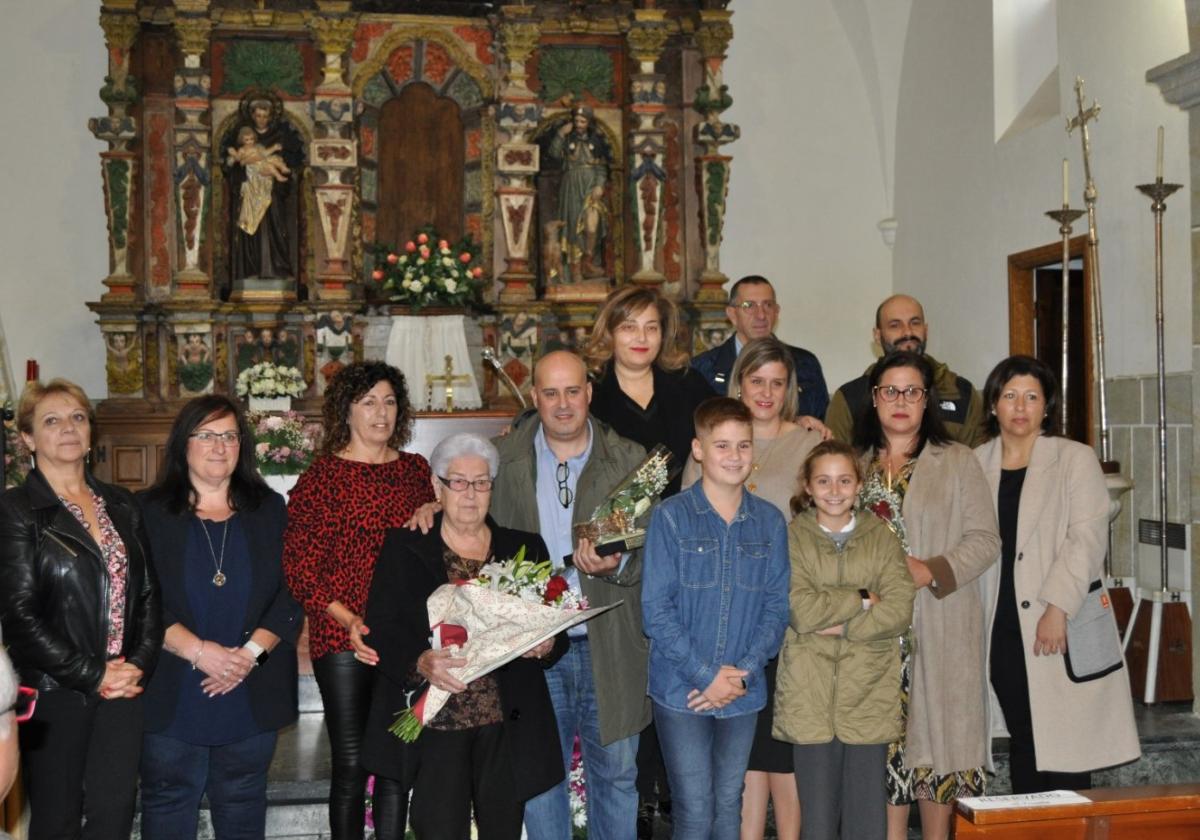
[416, 286]
[451, 286]
[446, 261]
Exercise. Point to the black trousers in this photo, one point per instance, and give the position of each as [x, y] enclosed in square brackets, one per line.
[345, 685]
[459, 770]
[1011, 685]
[652, 785]
[80, 757]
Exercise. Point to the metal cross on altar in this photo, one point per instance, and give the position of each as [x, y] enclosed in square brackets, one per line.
[448, 379]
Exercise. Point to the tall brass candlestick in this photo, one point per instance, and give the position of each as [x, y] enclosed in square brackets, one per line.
[1065, 218]
[1158, 192]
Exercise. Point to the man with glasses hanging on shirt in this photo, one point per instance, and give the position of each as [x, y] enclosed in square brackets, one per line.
[900, 325]
[16, 706]
[556, 466]
[754, 312]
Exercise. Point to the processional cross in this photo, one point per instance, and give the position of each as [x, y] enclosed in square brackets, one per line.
[448, 379]
[1080, 121]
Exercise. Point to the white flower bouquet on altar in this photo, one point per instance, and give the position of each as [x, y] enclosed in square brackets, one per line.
[510, 608]
[266, 379]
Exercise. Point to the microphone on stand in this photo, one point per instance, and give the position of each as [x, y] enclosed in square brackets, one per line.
[489, 358]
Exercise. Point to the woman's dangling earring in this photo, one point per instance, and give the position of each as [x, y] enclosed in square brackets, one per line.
[32, 460]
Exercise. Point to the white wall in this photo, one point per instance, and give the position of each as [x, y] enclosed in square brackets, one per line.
[810, 176]
[964, 202]
[808, 185]
[52, 234]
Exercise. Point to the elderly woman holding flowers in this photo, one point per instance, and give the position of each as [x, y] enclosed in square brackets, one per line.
[494, 744]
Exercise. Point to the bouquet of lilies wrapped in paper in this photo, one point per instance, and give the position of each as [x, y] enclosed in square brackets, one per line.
[613, 526]
[510, 608]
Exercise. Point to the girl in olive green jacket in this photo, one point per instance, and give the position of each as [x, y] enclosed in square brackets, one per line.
[838, 694]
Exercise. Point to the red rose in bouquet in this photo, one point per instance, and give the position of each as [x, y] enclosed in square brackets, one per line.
[555, 587]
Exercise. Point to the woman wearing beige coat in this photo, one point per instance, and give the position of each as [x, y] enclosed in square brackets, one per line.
[949, 527]
[1053, 511]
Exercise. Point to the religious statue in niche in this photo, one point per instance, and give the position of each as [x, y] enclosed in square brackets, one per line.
[333, 344]
[266, 347]
[263, 155]
[580, 224]
[518, 345]
[123, 363]
[195, 370]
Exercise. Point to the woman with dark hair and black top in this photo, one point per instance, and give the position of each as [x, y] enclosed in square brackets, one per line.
[214, 708]
[80, 612]
[338, 513]
[1051, 561]
[933, 494]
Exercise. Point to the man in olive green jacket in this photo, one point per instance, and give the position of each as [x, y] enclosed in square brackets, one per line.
[556, 466]
[900, 325]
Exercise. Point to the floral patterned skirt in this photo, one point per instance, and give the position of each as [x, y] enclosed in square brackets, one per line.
[906, 785]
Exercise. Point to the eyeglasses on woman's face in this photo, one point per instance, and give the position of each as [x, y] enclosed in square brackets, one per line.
[890, 393]
[210, 439]
[24, 705]
[460, 485]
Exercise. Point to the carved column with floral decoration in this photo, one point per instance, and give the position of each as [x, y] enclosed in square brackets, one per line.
[192, 146]
[517, 160]
[118, 165]
[333, 155]
[647, 36]
[713, 34]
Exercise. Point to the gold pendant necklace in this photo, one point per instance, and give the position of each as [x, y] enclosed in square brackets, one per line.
[760, 458]
[218, 579]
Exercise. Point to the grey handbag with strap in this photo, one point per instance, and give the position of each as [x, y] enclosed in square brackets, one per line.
[1093, 643]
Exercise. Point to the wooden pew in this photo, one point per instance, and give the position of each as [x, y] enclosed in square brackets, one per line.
[1151, 811]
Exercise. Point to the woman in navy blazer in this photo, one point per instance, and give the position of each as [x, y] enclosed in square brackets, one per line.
[213, 709]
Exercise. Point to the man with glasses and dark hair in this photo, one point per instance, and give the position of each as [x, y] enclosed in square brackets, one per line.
[900, 325]
[556, 466]
[754, 312]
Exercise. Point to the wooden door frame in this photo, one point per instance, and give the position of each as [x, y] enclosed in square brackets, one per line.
[1021, 339]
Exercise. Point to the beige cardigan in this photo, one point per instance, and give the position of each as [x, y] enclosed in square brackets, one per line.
[951, 525]
[1062, 535]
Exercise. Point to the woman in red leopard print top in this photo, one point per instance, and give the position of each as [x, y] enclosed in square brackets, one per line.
[338, 514]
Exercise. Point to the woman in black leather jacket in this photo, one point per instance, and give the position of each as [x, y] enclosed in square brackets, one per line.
[80, 614]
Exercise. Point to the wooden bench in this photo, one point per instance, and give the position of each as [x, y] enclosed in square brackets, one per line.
[1151, 811]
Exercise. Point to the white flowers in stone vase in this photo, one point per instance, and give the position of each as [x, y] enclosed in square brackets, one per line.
[266, 379]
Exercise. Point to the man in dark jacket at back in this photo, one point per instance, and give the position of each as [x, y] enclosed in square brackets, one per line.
[900, 325]
[754, 312]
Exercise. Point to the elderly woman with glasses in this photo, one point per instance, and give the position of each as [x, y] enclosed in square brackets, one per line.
[495, 742]
[933, 493]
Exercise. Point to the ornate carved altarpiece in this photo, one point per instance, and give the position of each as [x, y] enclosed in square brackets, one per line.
[256, 151]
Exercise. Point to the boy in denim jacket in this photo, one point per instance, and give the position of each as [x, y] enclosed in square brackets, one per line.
[715, 606]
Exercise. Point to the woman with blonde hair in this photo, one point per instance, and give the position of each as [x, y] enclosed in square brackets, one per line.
[81, 619]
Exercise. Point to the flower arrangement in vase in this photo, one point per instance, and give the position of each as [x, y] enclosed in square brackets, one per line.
[284, 444]
[270, 387]
[428, 271]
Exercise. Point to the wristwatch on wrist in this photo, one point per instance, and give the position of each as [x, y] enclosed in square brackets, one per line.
[866, 598]
[259, 652]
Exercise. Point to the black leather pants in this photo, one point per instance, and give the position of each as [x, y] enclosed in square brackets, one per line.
[345, 685]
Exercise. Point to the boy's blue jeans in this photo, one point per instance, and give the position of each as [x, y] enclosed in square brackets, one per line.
[706, 760]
